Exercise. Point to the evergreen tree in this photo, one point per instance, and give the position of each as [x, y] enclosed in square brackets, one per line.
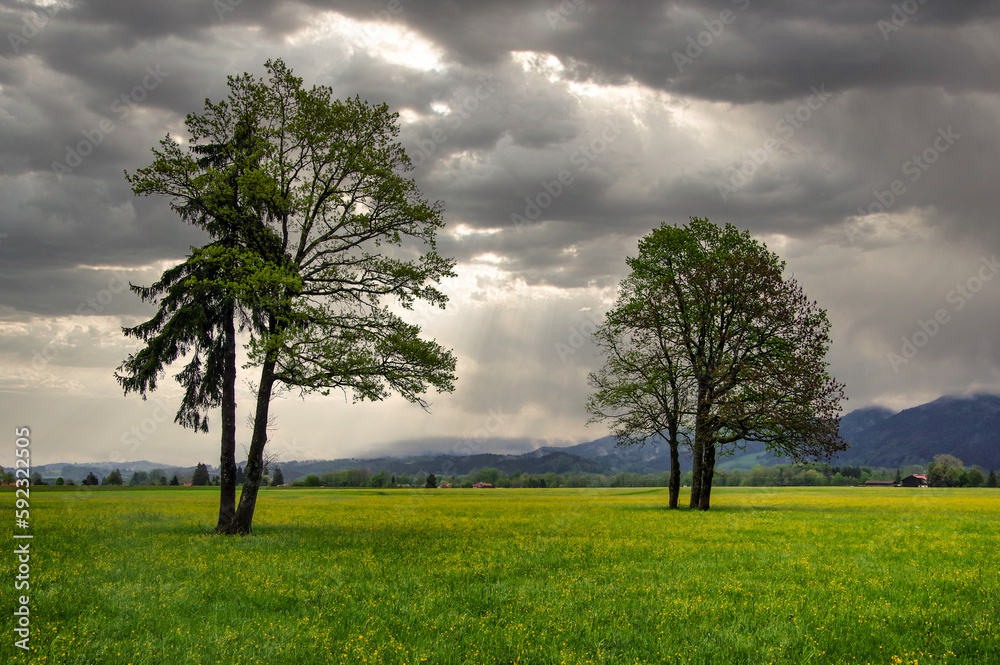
[113, 478]
[200, 476]
[304, 197]
[432, 482]
[175, 480]
[278, 478]
[991, 481]
[91, 479]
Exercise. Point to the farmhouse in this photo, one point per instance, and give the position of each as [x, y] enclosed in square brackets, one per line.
[914, 480]
[879, 483]
[482, 484]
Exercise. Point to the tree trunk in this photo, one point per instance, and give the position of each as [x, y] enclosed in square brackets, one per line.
[255, 458]
[697, 451]
[227, 458]
[707, 472]
[675, 474]
[704, 442]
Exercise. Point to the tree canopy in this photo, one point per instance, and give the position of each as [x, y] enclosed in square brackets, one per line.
[710, 341]
[315, 230]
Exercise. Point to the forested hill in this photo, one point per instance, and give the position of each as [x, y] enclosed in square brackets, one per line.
[967, 427]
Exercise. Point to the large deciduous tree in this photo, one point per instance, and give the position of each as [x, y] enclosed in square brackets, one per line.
[709, 309]
[314, 228]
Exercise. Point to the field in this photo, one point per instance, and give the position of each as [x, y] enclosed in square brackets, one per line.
[789, 575]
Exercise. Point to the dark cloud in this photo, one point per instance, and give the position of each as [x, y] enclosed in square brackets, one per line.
[556, 134]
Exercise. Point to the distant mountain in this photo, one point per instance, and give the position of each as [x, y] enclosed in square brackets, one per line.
[857, 421]
[966, 426]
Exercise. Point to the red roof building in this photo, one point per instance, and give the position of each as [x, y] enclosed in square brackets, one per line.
[915, 480]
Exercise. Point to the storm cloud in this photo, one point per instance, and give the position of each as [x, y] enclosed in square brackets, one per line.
[856, 138]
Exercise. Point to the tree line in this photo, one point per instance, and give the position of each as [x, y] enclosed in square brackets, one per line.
[945, 471]
[815, 474]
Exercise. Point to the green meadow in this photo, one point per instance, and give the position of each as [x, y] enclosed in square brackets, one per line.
[769, 575]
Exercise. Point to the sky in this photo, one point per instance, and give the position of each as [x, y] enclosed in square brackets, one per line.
[857, 139]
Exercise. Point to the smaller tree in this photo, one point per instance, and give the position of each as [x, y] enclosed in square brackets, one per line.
[175, 480]
[91, 479]
[312, 480]
[200, 476]
[432, 482]
[975, 478]
[278, 478]
[991, 480]
[380, 479]
[60, 481]
[113, 478]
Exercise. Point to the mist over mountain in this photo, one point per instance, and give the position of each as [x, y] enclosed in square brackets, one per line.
[966, 426]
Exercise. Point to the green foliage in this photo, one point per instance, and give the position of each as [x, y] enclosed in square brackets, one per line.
[312, 480]
[491, 476]
[91, 479]
[315, 230]
[975, 478]
[946, 471]
[200, 476]
[991, 481]
[431, 481]
[708, 338]
[175, 480]
[113, 478]
[278, 478]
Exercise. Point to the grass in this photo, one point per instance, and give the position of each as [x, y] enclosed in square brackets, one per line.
[769, 575]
